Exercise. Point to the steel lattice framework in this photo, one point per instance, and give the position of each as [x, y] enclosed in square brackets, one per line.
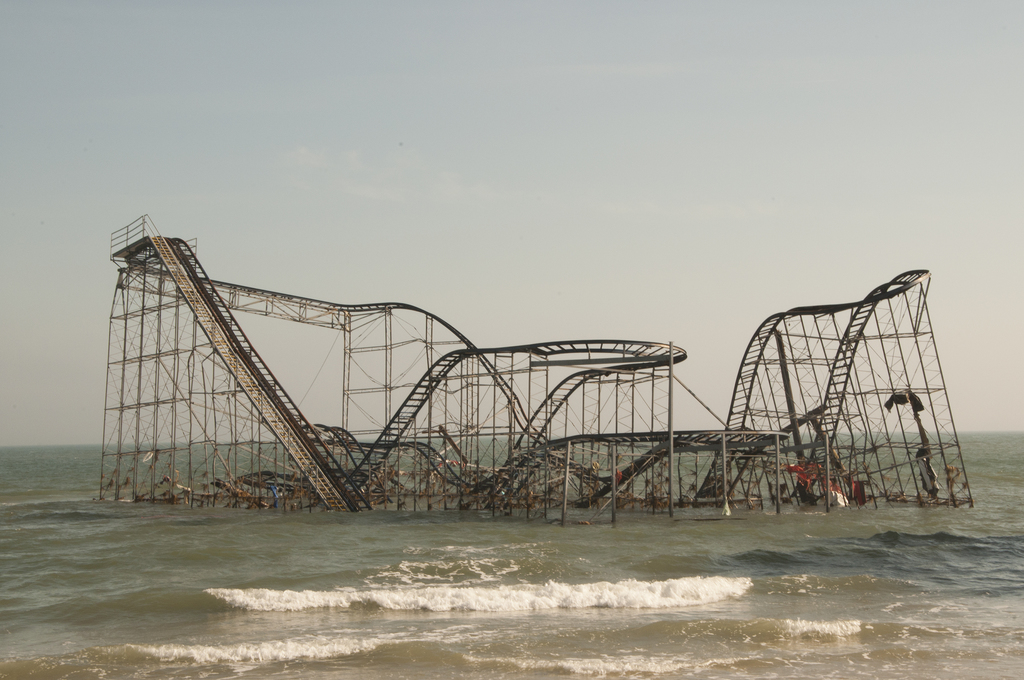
[863, 382]
[428, 420]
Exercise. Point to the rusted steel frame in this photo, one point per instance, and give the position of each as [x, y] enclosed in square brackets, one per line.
[938, 366]
[555, 399]
[787, 386]
[261, 372]
[443, 366]
[271, 297]
[754, 355]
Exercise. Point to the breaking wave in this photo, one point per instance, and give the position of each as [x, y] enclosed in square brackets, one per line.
[274, 650]
[630, 665]
[798, 627]
[629, 594]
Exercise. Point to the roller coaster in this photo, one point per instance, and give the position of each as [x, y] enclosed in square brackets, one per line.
[836, 405]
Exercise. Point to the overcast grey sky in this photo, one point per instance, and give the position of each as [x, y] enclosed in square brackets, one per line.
[529, 171]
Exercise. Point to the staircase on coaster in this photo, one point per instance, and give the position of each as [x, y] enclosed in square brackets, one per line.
[302, 441]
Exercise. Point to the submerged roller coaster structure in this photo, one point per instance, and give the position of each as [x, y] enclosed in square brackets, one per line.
[833, 405]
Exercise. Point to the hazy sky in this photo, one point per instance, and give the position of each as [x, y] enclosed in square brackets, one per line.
[527, 170]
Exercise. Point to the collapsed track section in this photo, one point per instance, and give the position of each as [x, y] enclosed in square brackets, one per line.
[858, 389]
[427, 420]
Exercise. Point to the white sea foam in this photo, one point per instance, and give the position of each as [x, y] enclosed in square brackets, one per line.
[464, 571]
[273, 650]
[826, 628]
[629, 594]
[624, 665]
[602, 667]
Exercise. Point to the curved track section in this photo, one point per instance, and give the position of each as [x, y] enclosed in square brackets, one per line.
[310, 310]
[835, 377]
[840, 363]
[558, 397]
[396, 428]
[616, 356]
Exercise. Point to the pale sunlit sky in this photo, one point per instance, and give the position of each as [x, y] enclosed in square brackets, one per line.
[529, 171]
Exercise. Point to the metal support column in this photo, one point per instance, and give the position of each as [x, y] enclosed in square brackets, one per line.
[671, 431]
[565, 484]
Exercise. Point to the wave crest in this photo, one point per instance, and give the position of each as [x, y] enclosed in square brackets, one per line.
[797, 627]
[274, 650]
[628, 594]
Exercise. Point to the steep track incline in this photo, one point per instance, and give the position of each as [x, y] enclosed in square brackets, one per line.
[280, 413]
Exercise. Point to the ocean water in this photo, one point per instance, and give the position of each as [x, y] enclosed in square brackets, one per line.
[92, 589]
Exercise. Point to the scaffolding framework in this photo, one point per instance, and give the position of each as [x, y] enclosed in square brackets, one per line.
[843, 404]
[859, 388]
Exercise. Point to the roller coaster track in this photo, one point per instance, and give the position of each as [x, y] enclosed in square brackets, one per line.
[302, 441]
[392, 435]
[634, 468]
[748, 371]
[517, 470]
[554, 401]
[195, 416]
[339, 436]
[421, 392]
[310, 310]
[560, 395]
[335, 315]
[841, 365]
[403, 417]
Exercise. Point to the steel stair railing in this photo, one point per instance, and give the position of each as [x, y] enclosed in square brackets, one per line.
[267, 395]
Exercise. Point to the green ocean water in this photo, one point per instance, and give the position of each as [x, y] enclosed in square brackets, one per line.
[92, 589]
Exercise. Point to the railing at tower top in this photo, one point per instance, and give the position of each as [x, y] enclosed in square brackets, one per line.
[132, 237]
[268, 396]
[125, 237]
